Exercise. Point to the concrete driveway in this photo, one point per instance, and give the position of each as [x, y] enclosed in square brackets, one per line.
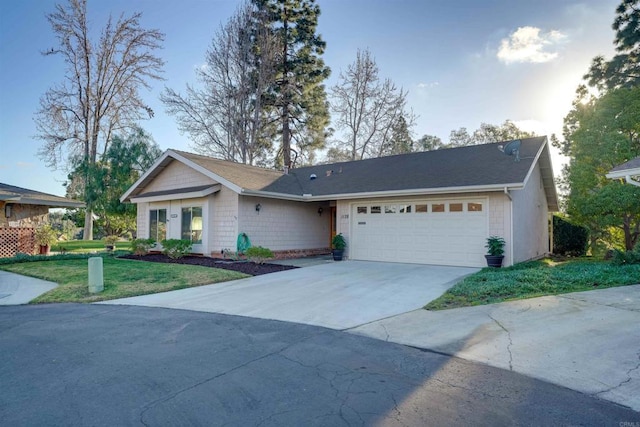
[337, 295]
[16, 289]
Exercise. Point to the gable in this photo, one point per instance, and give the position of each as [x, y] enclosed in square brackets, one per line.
[176, 176]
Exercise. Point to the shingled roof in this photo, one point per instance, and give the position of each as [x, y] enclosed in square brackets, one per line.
[465, 169]
[13, 194]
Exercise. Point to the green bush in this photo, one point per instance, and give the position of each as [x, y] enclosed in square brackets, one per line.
[338, 242]
[142, 246]
[628, 257]
[21, 257]
[176, 248]
[569, 239]
[258, 254]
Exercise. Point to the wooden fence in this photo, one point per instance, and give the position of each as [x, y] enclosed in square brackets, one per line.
[14, 240]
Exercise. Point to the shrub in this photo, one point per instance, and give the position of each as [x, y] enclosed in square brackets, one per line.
[629, 257]
[495, 245]
[258, 254]
[176, 248]
[569, 239]
[111, 240]
[45, 235]
[142, 246]
[338, 242]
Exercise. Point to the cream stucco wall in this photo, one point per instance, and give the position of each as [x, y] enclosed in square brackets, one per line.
[284, 225]
[530, 219]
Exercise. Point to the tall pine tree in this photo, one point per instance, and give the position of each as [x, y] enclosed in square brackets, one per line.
[298, 92]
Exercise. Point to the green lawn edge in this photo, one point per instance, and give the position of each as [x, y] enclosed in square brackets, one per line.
[122, 278]
[535, 279]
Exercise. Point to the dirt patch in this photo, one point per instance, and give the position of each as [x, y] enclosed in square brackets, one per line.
[246, 267]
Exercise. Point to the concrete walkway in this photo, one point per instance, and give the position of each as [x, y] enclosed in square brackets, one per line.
[586, 341]
[336, 295]
[16, 289]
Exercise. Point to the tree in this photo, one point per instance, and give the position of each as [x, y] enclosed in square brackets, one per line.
[400, 142]
[100, 93]
[226, 116]
[367, 109]
[298, 92]
[428, 143]
[600, 133]
[126, 159]
[623, 70]
[487, 133]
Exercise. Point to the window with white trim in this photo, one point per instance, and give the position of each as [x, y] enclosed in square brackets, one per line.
[192, 224]
[158, 224]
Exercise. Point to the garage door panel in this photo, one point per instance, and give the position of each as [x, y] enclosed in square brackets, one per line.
[451, 238]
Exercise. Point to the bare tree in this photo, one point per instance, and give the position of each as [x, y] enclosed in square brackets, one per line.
[226, 117]
[100, 92]
[367, 109]
[487, 133]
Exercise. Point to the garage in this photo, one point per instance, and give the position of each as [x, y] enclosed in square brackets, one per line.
[445, 231]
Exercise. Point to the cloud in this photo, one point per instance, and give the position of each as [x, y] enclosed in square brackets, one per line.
[24, 164]
[423, 85]
[530, 44]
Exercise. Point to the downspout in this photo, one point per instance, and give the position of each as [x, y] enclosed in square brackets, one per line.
[506, 192]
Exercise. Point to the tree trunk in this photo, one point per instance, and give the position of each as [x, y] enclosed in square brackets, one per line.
[88, 225]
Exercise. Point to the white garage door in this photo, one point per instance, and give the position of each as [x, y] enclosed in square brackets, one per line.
[446, 232]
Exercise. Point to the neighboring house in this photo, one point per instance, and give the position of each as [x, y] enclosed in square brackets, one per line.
[435, 207]
[21, 211]
[630, 171]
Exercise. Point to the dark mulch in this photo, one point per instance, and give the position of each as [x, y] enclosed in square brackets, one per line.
[246, 267]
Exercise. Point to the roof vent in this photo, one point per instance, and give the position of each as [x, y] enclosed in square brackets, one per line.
[312, 176]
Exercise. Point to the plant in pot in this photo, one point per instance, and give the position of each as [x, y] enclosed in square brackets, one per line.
[45, 236]
[110, 243]
[495, 251]
[338, 244]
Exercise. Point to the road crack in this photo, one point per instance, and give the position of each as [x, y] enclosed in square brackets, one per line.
[510, 340]
[628, 380]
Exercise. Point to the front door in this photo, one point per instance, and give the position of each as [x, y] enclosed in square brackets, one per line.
[334, 223]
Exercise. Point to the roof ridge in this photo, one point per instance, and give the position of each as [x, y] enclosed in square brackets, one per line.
[228, 162]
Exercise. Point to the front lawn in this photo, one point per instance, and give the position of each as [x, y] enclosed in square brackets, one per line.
[534, 279]
[122, 278]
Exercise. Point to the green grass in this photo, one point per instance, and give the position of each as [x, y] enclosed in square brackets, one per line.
[83, 246]
[122, 278]
[533, 279]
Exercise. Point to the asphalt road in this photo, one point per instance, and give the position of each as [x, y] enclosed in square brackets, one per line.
[124, 365]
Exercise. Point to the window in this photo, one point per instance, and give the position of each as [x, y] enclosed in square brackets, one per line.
[192, 224]
[437, 207]
[158, 224]
[474, 207]
[390, 209]
[361, 209]
[423, 208]
[376, 209]
[455, 207]
[405, 209]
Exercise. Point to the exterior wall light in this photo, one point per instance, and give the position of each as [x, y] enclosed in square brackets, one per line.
[258, 207]
[320, 210]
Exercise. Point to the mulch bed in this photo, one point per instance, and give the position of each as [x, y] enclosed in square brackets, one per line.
[246, 267]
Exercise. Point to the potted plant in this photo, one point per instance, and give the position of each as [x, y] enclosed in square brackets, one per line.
[110, 243]
[45, 236]
[338, 244]
[495, 251]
